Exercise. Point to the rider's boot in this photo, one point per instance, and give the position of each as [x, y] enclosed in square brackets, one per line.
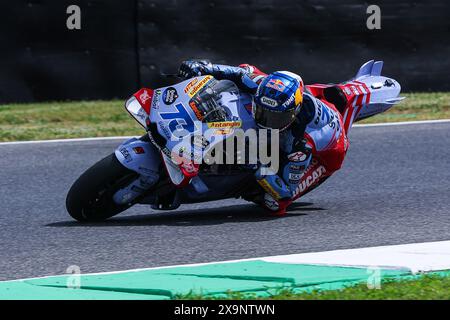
[276, 208]
[277, 196]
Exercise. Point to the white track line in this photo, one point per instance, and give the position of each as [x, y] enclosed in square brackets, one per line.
[416, 257]
[128, 137]
[67, 140]
[386, 124]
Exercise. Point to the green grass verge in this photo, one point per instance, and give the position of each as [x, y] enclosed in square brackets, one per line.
[427, 287]
[55, 120]
[416, 106]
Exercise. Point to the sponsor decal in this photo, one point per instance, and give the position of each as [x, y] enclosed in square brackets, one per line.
[323, 114]
[355, 91]
[269, 102]
[125, 154]
[190, 85]
[297, 156]
[224, 124]
[276, 84]
[289, 101]
[141, 114]
[197, 112]
[178, 120]
[296, 168]
[138, 150]
[156, 98]
[144, 96]
[294, 177]
[310, 179]
[193, 87]
[164, 129]
[334, 121]
[319, 114]
[389, 83]
[223, 132]
[163, 149]
[170, 95]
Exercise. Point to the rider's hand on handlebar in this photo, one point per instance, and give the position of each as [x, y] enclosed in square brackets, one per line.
[193, 68]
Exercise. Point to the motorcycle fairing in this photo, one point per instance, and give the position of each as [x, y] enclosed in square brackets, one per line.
[143, 158]
[178, 173]
[138, 106]
[367, 94]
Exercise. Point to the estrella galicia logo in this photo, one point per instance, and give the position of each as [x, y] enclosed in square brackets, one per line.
[170, 95]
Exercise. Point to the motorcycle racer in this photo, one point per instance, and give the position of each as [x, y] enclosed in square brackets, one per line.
[280, 101]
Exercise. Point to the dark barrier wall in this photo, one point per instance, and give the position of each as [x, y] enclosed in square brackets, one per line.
[123, 45]
[42, 60]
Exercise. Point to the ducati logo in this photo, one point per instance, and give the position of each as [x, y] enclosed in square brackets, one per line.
[310, 179]
[144, 96]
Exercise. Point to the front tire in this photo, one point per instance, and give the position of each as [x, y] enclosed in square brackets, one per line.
[90, 197]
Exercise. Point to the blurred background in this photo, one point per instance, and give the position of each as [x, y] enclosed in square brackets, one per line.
[125, 44]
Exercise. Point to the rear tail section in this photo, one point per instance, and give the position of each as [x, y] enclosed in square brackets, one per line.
[363, 96]
[369, 93]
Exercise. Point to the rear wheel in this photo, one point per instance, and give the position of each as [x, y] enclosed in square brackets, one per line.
[90, 197]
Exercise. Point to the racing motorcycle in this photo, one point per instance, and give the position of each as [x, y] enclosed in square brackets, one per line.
[142, 170]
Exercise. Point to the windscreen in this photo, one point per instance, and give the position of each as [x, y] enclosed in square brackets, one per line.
[210, 103]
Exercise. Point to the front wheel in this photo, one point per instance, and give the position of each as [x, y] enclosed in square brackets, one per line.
[90, 197]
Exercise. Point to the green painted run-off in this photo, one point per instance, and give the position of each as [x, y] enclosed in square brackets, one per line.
[254, 277]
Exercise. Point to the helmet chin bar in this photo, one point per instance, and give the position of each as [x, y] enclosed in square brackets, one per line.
[280, 130]
[268, 119]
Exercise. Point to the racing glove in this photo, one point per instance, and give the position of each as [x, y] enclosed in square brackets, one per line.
[241, 75]
[194, 68]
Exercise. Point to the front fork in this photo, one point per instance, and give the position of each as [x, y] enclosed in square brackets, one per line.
[142, 157]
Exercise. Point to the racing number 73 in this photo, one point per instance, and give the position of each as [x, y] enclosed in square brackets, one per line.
[179, 120]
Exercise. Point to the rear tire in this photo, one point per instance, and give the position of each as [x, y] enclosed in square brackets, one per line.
[90, 197]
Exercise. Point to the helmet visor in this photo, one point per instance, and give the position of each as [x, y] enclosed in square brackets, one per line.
[271, 119]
